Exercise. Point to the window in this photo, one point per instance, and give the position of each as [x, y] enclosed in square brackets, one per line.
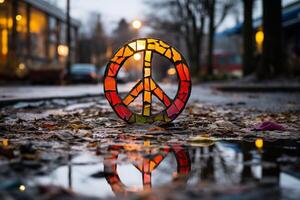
[38, 33]
[52, 23]
[5, 28]
[21, 19]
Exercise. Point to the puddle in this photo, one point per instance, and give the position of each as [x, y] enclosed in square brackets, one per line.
[131, 167]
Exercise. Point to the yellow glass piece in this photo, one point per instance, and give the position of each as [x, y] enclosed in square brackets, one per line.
[141, 45]
[148, 56]
[146, 110]
[163, 44]
[150, 40]
[159, 49]
[147, 64]
[127, 52]
[120, 52]
[151, 46]
[168, 54]
[152, 85]
[147, 97]
[147, 72]
[176, 55]
[132, 45]
[128, 100]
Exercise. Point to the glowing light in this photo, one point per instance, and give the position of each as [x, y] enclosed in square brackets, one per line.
[22, 188]
[5, 142]
[171, 71]
[4, 42]
[63, 50]
[259, 37]
[136, 24]
[2, 1]
[18, 17]
[137, 56]
[22, 66]
[259, 143]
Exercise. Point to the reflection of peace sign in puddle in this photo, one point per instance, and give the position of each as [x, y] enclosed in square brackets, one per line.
[147, 85]
[146, 161]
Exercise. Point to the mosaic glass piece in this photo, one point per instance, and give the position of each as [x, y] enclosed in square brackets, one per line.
[146, 86]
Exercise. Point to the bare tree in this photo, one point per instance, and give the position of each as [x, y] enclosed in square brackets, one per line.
[272, 58]
[222, 8]
[248, 42]
[186, 19]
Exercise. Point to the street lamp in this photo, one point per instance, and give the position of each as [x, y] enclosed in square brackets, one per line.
[136, 24]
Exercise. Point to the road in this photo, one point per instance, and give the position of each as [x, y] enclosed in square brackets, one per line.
[204, 93]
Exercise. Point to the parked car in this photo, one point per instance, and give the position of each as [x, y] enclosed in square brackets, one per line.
[81, 72]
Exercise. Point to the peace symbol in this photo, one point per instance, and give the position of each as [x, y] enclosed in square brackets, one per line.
[147, 86]
[145, 164]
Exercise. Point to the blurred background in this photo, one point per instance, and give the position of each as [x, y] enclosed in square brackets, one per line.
[68, 41]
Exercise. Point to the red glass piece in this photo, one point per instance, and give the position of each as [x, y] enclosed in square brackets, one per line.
[113, 98]
[183, 96]
[113, 68]
[172, 111]
[166, 101]
[186, 72]
[184, 87]
[179, 104]
[123, 112]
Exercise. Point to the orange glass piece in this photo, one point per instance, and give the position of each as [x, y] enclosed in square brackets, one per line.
[128, 100]
[159, 93]
[147, 97]
[168, 54]
[152, 85]
[152, 166]
[110, 84]
[147, 84]
[128, 52]
[176, 55]
[120, 52]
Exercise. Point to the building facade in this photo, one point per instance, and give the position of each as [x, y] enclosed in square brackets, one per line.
[33, 40]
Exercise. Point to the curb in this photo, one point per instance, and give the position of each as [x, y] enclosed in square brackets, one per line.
[258, 88]
[7, 102]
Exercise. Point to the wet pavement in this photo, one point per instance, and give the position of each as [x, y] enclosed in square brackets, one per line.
[79, 149]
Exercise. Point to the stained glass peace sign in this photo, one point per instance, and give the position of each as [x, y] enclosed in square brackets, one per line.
[147, 86]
